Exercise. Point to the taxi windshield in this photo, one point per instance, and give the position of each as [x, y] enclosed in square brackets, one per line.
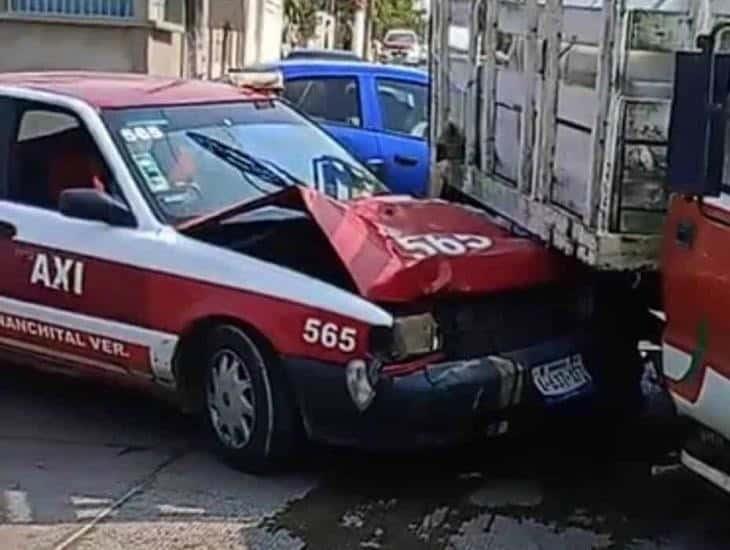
[194, 160]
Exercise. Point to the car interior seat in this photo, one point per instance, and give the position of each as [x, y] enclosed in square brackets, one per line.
[47, 165]
[74, 163]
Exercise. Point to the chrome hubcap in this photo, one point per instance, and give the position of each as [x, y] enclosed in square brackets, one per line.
[230, 399]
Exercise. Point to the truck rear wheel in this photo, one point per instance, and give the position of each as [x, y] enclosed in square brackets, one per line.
[248, 413]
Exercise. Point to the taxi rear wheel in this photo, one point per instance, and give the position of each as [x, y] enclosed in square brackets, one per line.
[248, 412]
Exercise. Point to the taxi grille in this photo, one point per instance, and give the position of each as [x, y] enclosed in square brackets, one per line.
[478, 326]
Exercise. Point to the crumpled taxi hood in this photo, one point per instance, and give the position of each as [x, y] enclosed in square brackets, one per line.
[399, 249]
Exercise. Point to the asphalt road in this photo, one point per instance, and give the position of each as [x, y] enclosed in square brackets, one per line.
[84, 467]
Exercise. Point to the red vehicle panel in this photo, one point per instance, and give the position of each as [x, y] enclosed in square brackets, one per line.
[697, 298]
[400, 250]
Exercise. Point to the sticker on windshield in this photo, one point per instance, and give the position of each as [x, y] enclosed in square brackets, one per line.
[177, 198]
[141, 133]
[153, 176]
[332, 178]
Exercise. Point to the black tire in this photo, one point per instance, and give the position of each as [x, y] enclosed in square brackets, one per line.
[273, 432]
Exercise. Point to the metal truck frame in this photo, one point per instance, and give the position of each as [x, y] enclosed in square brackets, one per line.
[560, 115]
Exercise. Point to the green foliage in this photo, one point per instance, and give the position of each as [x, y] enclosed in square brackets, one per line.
[387, 14]
[390, 14]
[302, 15]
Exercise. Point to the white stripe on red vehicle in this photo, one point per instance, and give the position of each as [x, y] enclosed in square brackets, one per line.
[169, 252]
[93, 341]
[188, 257]
[162, 304]
[143, 288]
[703, 394]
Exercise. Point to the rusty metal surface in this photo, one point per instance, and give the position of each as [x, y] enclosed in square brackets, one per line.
[647, 120]
[658, 31]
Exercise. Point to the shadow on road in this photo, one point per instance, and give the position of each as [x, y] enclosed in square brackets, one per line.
[73, 448]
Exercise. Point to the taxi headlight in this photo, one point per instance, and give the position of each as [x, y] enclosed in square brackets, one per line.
[409, 336]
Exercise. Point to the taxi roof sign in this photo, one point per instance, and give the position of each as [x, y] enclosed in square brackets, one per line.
[253, 79]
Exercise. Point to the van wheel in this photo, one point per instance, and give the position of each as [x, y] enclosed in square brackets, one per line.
[248, 412]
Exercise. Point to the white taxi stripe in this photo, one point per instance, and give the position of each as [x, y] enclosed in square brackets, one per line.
[710, 408]
[73, 358]
[675, 362]
[172, 253]
[95, 325]
[161, 345]
[159, 247]
[17, 508]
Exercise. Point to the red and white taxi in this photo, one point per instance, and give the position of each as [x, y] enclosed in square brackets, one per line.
[208, 241]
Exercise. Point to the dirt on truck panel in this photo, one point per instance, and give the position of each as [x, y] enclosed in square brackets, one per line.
[550, 139]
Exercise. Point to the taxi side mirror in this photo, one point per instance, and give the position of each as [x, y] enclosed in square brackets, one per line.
[95, 205]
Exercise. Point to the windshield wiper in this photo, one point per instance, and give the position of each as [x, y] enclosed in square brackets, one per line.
[283, 171]
[243, 162]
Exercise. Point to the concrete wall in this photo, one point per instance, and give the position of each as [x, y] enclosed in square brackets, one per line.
[31, 45]
[271, 26]
[241, 32]
[250, 47]
[165, 53]
[228, 23]
[226, 50]
[228, 11]
[264, 25]
[106, 46]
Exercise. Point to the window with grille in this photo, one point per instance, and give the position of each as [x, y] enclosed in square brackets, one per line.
[73, 8]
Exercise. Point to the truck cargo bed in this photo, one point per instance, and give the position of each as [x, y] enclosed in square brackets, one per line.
[564, 111]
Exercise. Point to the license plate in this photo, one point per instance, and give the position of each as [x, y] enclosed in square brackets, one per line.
[561, 377]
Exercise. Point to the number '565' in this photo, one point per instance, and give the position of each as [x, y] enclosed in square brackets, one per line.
[330, 335]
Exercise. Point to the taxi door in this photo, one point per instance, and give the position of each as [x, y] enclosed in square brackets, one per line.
[60, 301]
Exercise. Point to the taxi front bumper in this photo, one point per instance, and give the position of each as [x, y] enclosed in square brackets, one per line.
[447, 402]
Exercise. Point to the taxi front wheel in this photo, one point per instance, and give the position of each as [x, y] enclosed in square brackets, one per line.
[249, 413]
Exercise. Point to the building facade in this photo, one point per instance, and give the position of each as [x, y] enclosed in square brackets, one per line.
[146, 36]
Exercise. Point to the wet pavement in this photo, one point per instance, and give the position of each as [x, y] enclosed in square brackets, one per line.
[86, 467]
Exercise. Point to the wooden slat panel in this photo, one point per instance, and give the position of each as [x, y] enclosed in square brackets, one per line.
[643, 176]
[581, 25]
[529, 102]
[647, 121]
[472, 98]
[488, 117]
[646, 223]
[658, 31]
[549, 98]
[647, 194]
[597, 195]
